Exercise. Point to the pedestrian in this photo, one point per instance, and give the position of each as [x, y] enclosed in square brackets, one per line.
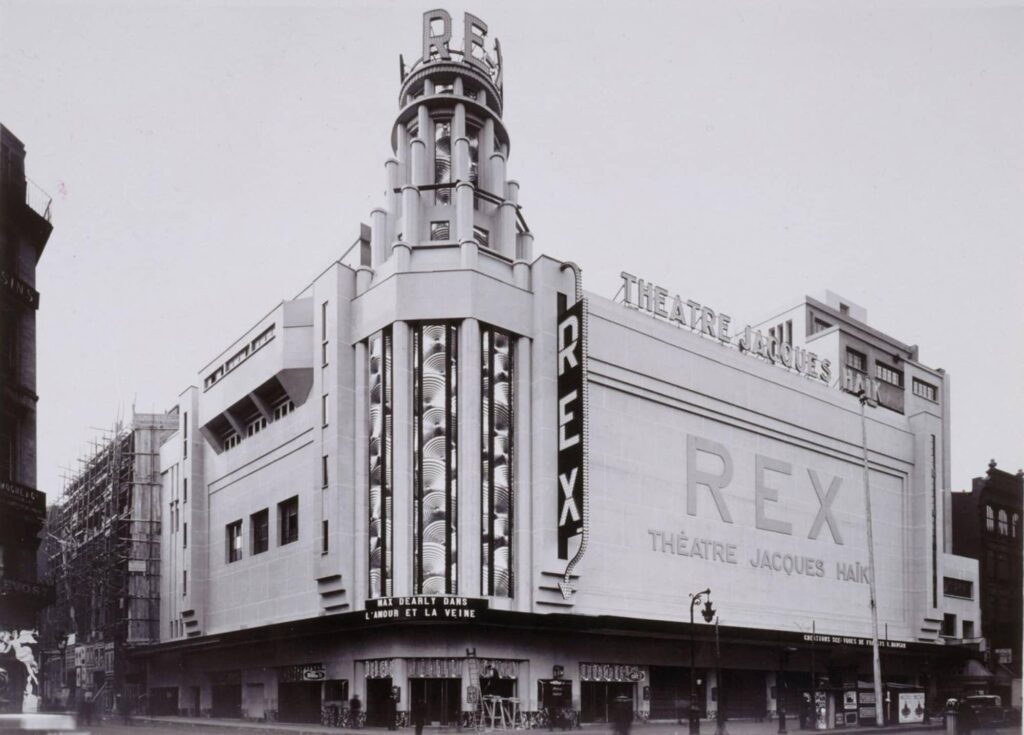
[393, 709]
[622, 715]
[355, 709]
[805, 710]
[88, 707]
[419, 716]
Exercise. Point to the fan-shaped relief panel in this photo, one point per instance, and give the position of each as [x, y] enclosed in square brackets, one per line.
[379, 497]
[497, 422]
[435, 430]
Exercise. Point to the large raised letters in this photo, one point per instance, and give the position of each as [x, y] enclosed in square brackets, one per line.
[696, 477]
[763, 493]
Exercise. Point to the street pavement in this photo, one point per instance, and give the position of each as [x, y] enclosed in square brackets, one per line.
[178, 726]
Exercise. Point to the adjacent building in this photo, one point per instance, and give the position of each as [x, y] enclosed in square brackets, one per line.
[986, 525]
[24, 230]
[103, 542]
[446, 474]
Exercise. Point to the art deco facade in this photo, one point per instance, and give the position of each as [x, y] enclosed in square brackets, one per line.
[24, 230]
[440, 469]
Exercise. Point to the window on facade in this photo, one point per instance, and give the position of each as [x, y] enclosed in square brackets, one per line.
[288, 521]
[1004, 526]
[184, 443]
[259, 525]
[819, 325]
[256, 425]
[323, 334]
[7, 427]
[184, 582]
[949, 625]
[440, 230]
[1015, 526]
[953, 587]
[990, 518]
[324, 476]
[324, 538]
[323, 410]
[231, 441]
[443, 159]
[234, 541]
[968, 628]
[856, 360]
[184, 535]
[482, 236]
[283, 408]
[888, 375]
[844, 309]
[184, 490]
[925, 390]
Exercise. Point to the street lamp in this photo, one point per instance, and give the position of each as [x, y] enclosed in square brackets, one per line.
[781, 688]
[708, 613]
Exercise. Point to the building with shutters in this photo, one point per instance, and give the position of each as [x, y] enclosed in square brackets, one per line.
[442, 477]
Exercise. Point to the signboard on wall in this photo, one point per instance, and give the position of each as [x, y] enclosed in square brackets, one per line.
[570, 377]
[911, 707]
[302, 672]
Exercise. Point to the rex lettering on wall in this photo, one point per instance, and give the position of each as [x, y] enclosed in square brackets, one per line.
[571, 459]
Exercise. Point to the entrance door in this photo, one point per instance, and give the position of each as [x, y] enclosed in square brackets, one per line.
[600, 700]
[670, 693]
[378, 701]
[227, 700]
[744, 693]
[163, 701]
[298, 701]
[439, 700]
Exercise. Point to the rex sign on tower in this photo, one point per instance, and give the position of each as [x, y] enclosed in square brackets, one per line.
[571, 377]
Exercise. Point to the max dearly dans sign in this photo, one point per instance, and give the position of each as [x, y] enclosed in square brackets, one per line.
[571, 353]
[436, 608]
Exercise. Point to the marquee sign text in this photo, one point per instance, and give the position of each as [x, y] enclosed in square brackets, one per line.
[424, 608]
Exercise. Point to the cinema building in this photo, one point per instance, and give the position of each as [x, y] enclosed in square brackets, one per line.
[443, 473]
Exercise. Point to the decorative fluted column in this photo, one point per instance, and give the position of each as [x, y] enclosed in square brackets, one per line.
[393, 198]
[486, 150]
[463, 190]
[360, 458]
[379, 236]
[401, 457]
[469, 508]
[522, 548]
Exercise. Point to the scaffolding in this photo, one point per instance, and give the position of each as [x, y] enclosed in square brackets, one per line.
[104, 552]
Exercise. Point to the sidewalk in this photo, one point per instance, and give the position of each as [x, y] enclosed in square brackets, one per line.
[734, 727]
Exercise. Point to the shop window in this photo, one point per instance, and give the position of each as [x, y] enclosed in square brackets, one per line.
[234, 541]
[259, 525]
[288, 521]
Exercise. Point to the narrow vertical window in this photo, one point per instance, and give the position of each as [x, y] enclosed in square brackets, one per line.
[323, 410]
[184, 490]
[324, 543]
[184, 536]
[435, 447]
[184, 582]
[496, 468]
[233, 538]
[379, 453]
[184, 443]
[324, 479]
[288, 521]
[323, 334]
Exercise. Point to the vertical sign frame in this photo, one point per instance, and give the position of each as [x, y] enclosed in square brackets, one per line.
[571, 350]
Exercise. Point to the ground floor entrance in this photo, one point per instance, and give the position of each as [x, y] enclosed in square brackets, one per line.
[601, 701]
[299, 701]
[438, 699]
[226, 700]
[670, 692]
[378, 701]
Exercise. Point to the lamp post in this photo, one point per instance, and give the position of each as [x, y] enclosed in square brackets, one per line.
[876, 664]
[708, 614]
[781, 687]
[720, 709]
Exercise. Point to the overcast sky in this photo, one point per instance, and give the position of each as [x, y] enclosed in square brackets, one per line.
[208, 159]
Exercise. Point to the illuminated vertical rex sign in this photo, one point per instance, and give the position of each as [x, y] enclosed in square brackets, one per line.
[571, 406]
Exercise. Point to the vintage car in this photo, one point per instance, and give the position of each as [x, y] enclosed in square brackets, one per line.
[985, 709]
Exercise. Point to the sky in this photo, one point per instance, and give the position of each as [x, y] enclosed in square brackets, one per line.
[209, 159]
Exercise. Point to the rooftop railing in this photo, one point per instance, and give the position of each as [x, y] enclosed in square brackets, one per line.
[38, 199]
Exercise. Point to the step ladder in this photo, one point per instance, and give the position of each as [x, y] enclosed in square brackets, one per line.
[474, 694]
